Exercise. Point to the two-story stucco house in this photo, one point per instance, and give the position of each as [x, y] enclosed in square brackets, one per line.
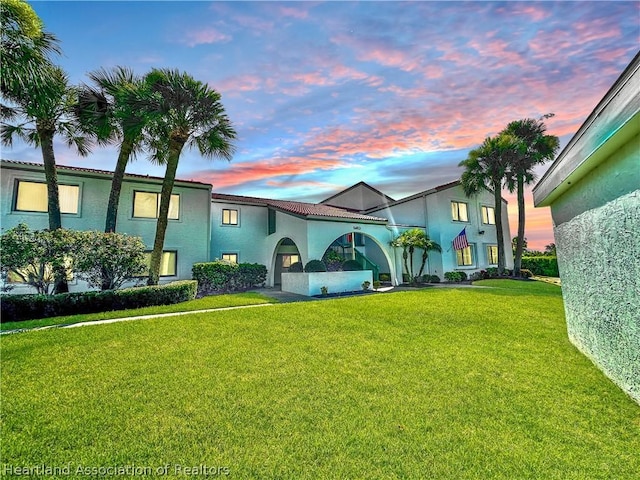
[358, 223]
[84, 194]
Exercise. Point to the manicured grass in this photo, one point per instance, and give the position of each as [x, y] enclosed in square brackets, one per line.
[213, 301]
[434, 383]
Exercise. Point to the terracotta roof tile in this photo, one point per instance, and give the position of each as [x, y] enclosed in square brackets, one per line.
[63, 168]
[299, 208]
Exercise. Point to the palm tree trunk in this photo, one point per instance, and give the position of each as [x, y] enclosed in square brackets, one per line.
[499, 234]
[53, 195]
[114, 197]
[175, 147]
[53, 198]
[405, 256]
[517, 263]
[424, 263]
[116, 185]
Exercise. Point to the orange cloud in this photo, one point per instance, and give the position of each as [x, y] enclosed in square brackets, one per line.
[246, 172]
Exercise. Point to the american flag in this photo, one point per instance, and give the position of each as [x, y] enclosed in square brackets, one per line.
[460, 242]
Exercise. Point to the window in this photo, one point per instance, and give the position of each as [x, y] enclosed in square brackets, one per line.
[492, 254]
[229, 216]
[147, 205]
[288, 260]
[38, 270]
[488, 216]
[464, 257]
[271, 222]
[459, 212]
[168, 263]
[230, 257]
[33, 197]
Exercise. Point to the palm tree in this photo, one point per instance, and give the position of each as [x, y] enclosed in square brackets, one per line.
[184, 111]
[24, 48]
[107, 112]
[409, 241]
[485, 168]
[46, 109]
[534, 147]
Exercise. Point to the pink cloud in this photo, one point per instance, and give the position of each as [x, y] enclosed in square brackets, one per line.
[205, 36]
[293, 12]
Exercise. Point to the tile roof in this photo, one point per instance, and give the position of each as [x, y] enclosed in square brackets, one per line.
[300, 208]
[63, 168]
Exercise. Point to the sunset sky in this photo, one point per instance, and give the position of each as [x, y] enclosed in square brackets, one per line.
[324, 95]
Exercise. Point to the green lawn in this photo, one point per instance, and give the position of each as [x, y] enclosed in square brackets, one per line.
[205, 303]
[434, 383]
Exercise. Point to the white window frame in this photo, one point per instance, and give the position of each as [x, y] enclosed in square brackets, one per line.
[230, 223]
[230, 254]
[44, 194]
[455, 211]
[489, 247]
[147, 255]
[157, 214]
[472, 253]
[484, 214]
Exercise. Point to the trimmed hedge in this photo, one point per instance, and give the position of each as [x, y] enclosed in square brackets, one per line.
[28, 307]
[545, 265]
[296, 267]
[315, 266]
[222, 276]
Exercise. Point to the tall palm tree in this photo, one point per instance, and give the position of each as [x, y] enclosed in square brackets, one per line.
[534, 147]
[107, 111]
[184, 111]
[24, 48]
[46, 109]
[485, 168]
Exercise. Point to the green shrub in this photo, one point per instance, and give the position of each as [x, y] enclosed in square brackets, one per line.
[546, 265]
[324, 291]
[405, 278]
[366, 284]
[315, 266]
[385, 277]
[223, 276]
[376, 285]
[431, 278]
[296, 267]
[351, 266]
[455, 277]
[333, 260]
[477, 275]
[27, 307]
[251, 275]
[214, 276]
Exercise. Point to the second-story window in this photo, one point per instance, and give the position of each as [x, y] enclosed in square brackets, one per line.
[459, 212]
[147, 205]
[488, 216]
[33, 197]
[229, 216]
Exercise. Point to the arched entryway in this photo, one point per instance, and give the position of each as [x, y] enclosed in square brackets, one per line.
[362, 248]
[285, 254]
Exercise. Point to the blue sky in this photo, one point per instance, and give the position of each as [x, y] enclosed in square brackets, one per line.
[324, 95]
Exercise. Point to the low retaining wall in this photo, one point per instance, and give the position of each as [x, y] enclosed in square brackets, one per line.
[309, 284]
